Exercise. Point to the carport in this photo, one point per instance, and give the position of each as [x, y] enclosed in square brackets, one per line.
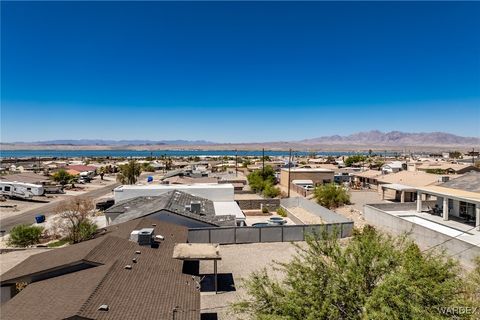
[407, 193]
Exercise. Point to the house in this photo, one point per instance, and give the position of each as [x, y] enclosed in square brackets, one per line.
[447, 167]
[82, 168]
[214, 192]
[177, 207]
[460, 205]
[318, 176]
[392, 167]
[366, 178]
[469, 182]
[114, 276]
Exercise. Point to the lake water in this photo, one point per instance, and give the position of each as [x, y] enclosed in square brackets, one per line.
[146, 153]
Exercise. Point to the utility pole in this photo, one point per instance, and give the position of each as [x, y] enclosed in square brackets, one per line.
[263, 162]
[289, 166]
[236, 163]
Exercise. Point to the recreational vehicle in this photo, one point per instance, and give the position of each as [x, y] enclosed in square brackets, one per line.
[14, 189]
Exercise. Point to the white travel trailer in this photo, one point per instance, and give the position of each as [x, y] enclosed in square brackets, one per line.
[14, 189]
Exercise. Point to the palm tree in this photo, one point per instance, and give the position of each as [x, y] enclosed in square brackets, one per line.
[129, 172]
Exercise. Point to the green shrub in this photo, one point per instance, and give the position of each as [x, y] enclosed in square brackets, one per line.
[282, 212]
[270, 191]
[86, 230]
[24, 235]
[265, 209]
[331, 196]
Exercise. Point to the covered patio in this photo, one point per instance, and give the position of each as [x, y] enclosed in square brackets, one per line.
[459, 205]
[199, 252]
[403, 193]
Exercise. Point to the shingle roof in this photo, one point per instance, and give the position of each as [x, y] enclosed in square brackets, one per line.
[469, 182]
[150, 290]
[173, 201]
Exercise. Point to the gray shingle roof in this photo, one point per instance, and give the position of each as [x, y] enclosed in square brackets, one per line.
[150, 290]
[469, 182]
[175, 202]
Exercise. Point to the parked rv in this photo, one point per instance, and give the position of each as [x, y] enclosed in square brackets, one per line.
[20, 190]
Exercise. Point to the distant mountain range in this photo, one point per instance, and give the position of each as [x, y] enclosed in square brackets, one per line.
[99, 142]
[369, 139]
[395, 138]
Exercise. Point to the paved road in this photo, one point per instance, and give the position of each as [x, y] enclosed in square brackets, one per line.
[28, 217]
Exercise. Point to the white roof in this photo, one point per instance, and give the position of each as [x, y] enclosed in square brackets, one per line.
[394, 164]
[302, 181]
[308, 170]
[183, 186]
[228, 208]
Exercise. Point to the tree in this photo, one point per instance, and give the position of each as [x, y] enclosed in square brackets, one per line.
[331, 196]
[246, 163]
[63, 177]
[455, 154]
[129, 172]
[75, 221]
[355, 159]
[24, 235]
[373, 276]
[147, 167]
[270, 191]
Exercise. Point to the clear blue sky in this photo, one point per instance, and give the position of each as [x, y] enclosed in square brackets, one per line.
[237, 72]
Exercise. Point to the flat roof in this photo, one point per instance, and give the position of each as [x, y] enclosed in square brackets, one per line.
[226, 208]
[182, 186]
[462, 194]
[308, 170]
[302, 181]
[398, 187]
[197, 251]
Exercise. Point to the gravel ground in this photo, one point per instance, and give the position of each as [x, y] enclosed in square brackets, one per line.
[305, 216]
[354, 211]
[11, 259]
[240, 260]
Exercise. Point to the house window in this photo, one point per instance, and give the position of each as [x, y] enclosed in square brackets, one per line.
[29, 189]
[7, 188]
[467, 210]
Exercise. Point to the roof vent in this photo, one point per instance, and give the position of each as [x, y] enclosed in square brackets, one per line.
[137, 252]
[103, 307]
[128, 267]
[159, 237]
[134, 260]
[195, 207]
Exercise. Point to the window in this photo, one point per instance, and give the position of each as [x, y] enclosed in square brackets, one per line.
[7, 188]
[29, 189]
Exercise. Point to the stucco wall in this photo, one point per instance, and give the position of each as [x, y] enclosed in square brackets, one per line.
[424, 237]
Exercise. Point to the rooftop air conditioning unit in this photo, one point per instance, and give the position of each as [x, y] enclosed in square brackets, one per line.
[445, 179]
[196, 207]
[145, 236]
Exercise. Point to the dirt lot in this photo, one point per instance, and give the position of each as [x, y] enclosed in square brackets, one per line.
[354, 211]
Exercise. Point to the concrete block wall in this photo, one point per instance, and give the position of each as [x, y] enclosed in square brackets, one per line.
[325, 214]
[424, 237]
[255, 204]
[232, 235]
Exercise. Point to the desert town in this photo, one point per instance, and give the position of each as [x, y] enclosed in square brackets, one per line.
[219, 218]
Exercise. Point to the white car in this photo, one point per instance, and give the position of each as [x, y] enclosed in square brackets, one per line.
[309, 188]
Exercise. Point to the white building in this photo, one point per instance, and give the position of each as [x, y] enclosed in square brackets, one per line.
[211, 191]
